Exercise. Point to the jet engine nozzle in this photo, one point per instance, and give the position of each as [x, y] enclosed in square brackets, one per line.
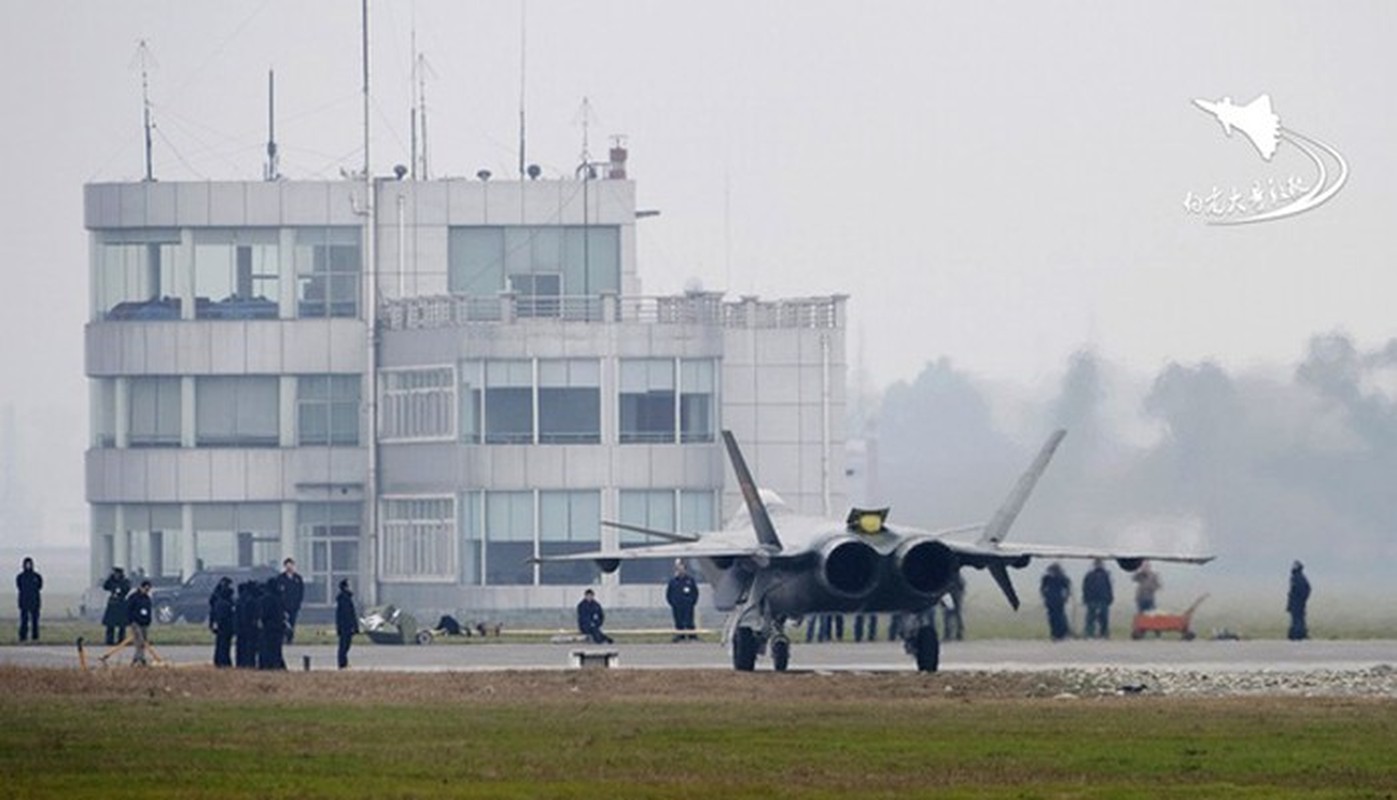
[849, 568]
[926, 566]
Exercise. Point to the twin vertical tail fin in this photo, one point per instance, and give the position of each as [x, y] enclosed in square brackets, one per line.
[756, 509]
[1003, 519]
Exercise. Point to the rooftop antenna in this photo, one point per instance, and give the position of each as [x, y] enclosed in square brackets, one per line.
[423, 68]
[585, 116]
[271, 172]
[523, 50]
[147, 61]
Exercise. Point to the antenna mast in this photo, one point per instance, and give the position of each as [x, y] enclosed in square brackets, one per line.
[144, 56]
[271, 171]
[523, 50]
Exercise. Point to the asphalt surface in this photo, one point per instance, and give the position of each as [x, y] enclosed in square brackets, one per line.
[980, 655]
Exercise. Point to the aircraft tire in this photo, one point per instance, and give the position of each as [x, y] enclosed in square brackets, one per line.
[744, 650]
[781, 653]
[928, 649]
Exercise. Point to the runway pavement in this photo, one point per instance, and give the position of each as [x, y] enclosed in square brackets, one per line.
[1017, 655]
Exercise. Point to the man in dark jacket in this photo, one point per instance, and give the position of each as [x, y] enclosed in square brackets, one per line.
[1056, 589]
[1295, 602]
[138, 614]
[293, 591]
[273, 619]
[223, 620]
[590, 618]
[346, 622]
[1097, 596]
[117, 586]
[682, 595]
[249, 614]
[30, 584]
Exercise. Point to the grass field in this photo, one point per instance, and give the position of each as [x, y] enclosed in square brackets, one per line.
[199, 733]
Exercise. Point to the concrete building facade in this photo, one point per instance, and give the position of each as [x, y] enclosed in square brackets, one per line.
[489, 387]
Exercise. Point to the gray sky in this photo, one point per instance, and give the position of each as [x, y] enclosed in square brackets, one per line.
[1000, 183]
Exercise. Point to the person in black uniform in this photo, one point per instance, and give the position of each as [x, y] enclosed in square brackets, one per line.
[223, 619]
[1295, 602]
[1056, 589]
[293, 591]
[249, 615]
[590, 618]
[30, 584]
[1097, 596]
[273, 618]
[682, 595]
[118, 587]
[139, 616]
[346, 622]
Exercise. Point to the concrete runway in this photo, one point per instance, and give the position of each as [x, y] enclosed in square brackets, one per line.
[980, 655]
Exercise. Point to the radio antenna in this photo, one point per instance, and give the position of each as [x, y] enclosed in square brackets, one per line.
[271, 172]
[147, 62]
[523, 50]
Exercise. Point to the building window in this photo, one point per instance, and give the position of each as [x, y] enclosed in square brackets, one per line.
[419, 539]
[327, 409]
[698, 400]
[237, 535]
[509, 538]
[647, 401]
[104, 412]
[328, 544]
[154, 412]
[328, 266]
[152, 543]
[472, 394]
[419, 404]
[136, 276]
[472, 538]
[569, 401]
[569, 522]
[237, 411]
[237, 274]
[647, 509]
[538, 295]
[572, 260]
[509, 402]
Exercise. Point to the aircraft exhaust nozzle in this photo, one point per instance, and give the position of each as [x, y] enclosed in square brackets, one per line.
[926, 566]
[849, 568]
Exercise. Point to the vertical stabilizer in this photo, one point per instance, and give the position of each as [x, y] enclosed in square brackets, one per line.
[999, 525]
[761, 521]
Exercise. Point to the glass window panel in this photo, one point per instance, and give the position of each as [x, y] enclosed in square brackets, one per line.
[471, 387]
[472, 541]
[327, 409]
[509, 531]
[237, 411]
[569, 522]
[476, 261]
[650, 509]
[569, 416]
[104, 426]
[154, 412]
[328, 267]
[137, 275]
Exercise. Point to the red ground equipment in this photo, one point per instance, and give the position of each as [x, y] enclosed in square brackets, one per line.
[1158, 622]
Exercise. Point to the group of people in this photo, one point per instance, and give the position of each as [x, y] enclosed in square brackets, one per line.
[1097, 597]
[681, 593]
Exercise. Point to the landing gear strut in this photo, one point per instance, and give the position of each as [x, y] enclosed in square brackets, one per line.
[780, 652]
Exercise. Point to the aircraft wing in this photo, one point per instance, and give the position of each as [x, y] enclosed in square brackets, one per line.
[1016, 551]
[699, 549]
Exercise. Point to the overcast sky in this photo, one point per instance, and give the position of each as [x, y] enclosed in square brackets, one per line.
[1000, 183]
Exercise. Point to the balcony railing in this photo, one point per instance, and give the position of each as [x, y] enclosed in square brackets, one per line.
[696, 308]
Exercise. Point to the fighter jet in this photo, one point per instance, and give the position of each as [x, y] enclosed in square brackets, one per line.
[1255, 119]
[771, 566]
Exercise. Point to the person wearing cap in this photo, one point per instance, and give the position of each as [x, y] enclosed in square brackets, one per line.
[223, 621]
[682, 595]
[590, 618]
[346, 622]
[1295, 603]
[117, 586]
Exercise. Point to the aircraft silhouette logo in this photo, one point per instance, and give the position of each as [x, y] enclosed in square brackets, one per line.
[1271, 199]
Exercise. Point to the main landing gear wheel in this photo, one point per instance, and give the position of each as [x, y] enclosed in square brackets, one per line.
[928, 649]
[780, 653]
[744, 650]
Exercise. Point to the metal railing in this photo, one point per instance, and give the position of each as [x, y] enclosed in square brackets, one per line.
[695, 308]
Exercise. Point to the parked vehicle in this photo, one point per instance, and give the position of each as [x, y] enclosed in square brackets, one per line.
[190, 600]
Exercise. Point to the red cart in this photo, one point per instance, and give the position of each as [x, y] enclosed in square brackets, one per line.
[1159, 622]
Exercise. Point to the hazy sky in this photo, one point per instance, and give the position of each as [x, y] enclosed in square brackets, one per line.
[1000, 183]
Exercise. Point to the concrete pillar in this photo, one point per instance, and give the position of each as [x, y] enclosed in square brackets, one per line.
[288, 533]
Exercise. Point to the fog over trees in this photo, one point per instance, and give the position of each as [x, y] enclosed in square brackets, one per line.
[1259, 467]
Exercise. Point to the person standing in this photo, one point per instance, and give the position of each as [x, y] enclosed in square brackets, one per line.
[138, 615]
[248, 615]
[590, 618]
[30, 584]
[293, 591]
[272, 617]
[1097, 596]
[1295, 603]
[223, 619]
[118, 587]
[1056, 588]
[682, 595]
[1147, 585]
[346, 622]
